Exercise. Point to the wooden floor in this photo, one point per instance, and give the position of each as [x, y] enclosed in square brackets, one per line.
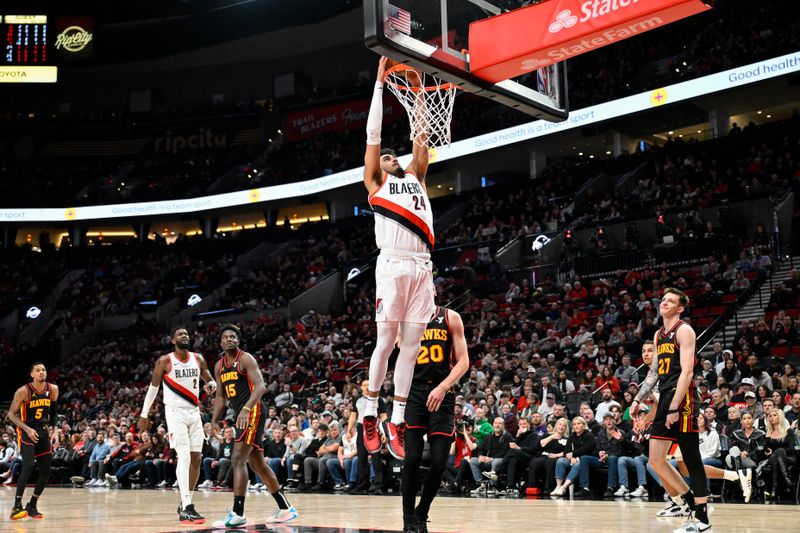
[109, 511]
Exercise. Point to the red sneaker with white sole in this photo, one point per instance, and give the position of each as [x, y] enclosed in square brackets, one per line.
[396, 439]
[372, 440]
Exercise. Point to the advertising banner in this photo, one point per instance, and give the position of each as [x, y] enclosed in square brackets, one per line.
[526, 39]
[299, 125]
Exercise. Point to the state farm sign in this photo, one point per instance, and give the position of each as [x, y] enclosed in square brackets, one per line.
[511, 44]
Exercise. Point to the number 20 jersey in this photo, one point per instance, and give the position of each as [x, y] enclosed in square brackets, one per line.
[435, 359]
[403, 215]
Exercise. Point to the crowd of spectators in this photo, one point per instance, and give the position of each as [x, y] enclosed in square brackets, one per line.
[538, 355]
[689, 177]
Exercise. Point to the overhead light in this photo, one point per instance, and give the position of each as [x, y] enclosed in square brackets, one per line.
[671, 132]
[608, 152]
[451, 188]
[699, 131]
[758, 112]
[591, 156]
[769, 116]
[681, 135]
[580, 153]
[439, 186]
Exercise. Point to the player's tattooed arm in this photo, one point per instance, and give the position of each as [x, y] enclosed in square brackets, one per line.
[649, 382]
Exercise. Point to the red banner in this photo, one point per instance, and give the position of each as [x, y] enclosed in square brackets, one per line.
[527, 39]
[307, 123]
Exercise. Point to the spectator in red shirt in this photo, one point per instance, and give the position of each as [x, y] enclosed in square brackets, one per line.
[578, 292]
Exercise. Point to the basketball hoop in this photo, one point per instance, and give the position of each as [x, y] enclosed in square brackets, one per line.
[428, 101]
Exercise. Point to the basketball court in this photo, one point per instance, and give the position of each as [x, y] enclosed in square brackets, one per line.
[84, 510]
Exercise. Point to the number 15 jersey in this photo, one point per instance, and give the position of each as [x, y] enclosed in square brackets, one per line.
[403, 215]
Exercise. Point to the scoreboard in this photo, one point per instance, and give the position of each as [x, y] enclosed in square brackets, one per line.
[34, 45]
[26, 40]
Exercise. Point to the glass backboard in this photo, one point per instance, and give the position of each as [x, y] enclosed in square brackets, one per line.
[433, 35]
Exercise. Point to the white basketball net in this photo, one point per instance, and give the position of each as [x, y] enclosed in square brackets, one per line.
[428, 101]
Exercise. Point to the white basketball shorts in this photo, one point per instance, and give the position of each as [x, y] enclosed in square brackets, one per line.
[404, 289]
[185, 429]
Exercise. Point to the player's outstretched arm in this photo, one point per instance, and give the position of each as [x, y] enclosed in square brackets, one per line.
[54, 415]
[372, 154]
[420, 155]
[211, 386]
[436, 396]
[20, 397]
[250, 366]
[648, 384]
[219, 403]
[152, 392]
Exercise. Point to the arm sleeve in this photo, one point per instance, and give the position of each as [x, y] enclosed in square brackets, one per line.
[149, 398]
[375, 116]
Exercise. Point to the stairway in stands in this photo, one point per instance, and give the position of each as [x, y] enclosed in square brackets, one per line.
[753, 310]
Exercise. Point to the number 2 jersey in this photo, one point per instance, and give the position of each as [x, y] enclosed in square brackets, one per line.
[182, 382]
[403, 215]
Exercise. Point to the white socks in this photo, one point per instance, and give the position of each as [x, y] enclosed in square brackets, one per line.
[372, 406]
[398, 412]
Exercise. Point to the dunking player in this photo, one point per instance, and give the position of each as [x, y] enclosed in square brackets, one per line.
[404, 295]
[441, 362]
[181, 371]
[32, 411]
[241, 383]
[675, 420]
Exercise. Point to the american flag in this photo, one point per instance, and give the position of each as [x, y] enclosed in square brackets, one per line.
[400, 19]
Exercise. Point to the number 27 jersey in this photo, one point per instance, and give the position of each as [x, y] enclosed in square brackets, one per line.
[668, 351]
[403, 215]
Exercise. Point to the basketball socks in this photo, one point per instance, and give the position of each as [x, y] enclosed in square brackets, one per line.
[182, 473]
[17, 501]
[280, 499]
[238, 505]
[398, 412]
[689, 497]
[372, 406]
[34, 501]
[701, 513]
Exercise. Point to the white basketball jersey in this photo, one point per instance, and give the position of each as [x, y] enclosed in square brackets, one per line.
[182, 382]
[403, 216]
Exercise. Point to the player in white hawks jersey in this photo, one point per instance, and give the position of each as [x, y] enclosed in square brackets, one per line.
[404, 294]
[181, 372]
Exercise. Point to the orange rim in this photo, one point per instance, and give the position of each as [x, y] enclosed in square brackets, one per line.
[401, 67]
